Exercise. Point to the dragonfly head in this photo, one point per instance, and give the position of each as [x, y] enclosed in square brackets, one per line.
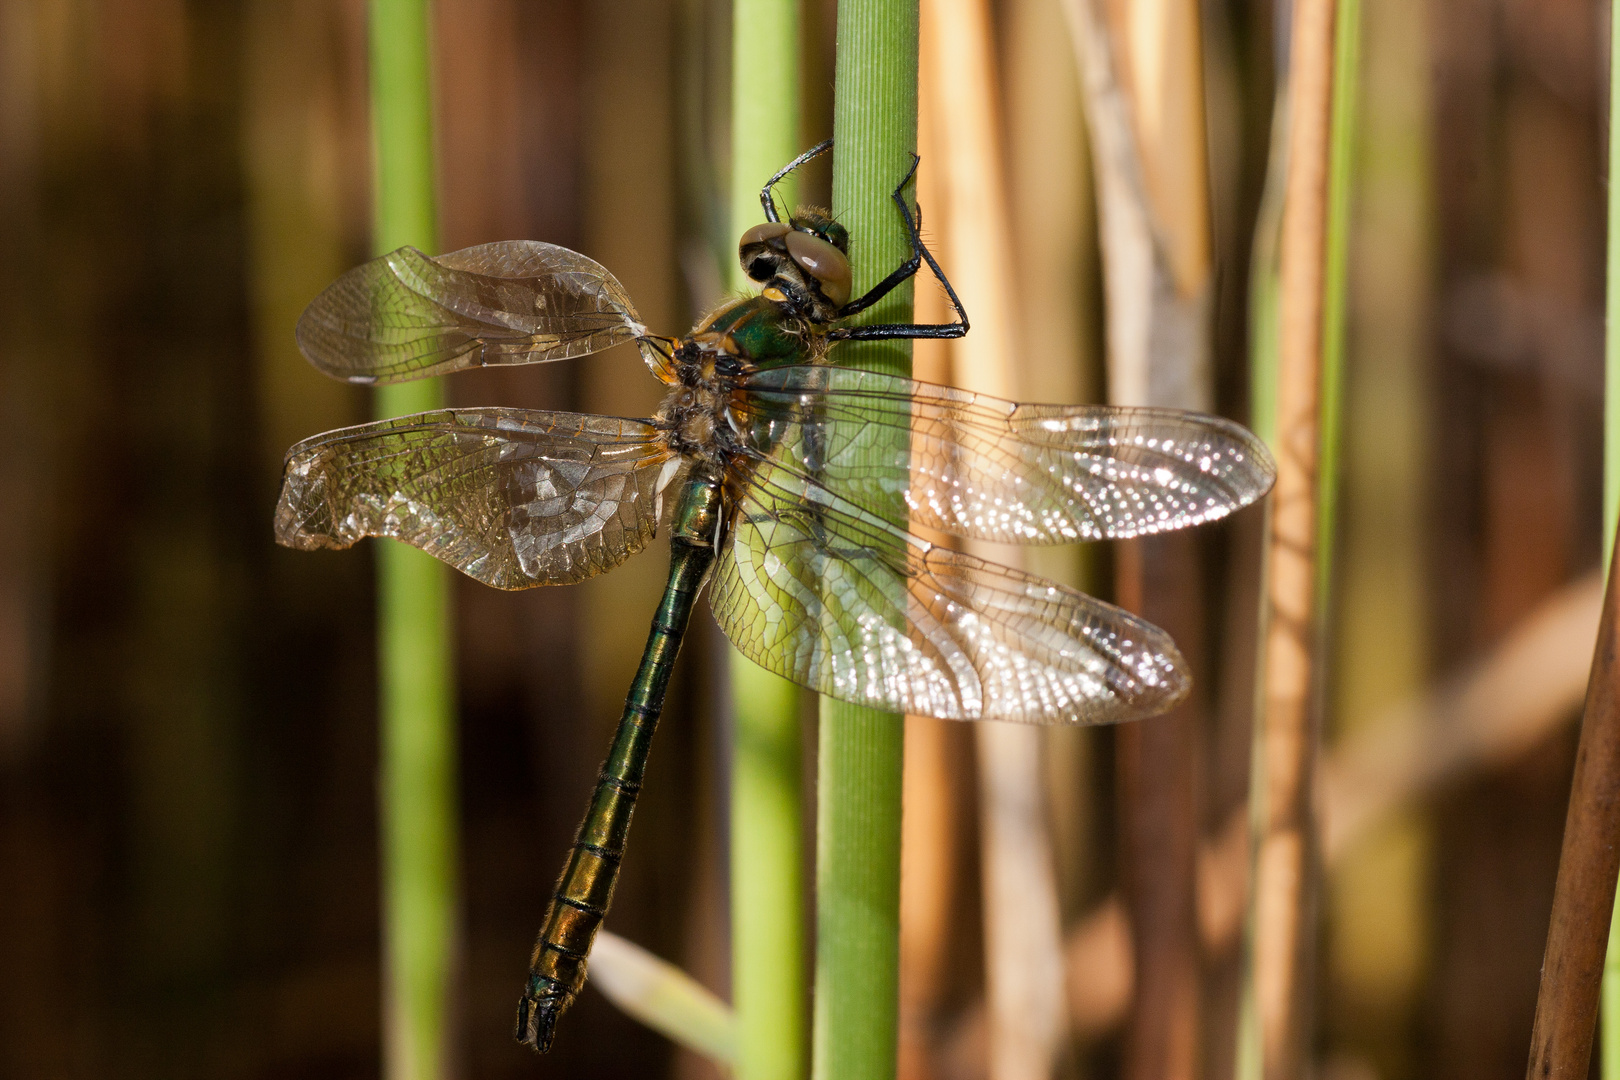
[805, 259]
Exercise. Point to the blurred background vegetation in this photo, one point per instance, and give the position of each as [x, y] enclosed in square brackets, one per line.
[188, 837]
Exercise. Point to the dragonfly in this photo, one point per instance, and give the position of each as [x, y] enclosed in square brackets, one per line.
[795, 490]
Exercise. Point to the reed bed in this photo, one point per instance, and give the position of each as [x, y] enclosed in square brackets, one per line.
[198, 813]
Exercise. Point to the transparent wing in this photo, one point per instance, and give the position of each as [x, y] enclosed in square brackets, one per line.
[408, 315]
[823, 593]
[512, 497]
[981, 467]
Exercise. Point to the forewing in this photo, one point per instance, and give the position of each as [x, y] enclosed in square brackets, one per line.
[407, 315]
[821, 592]
[978, 466]
[512, 497]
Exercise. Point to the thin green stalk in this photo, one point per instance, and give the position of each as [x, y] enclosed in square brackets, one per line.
[1609, 1044]
[1336, 286]
[1264, 290]
[418, 802]
[856, 1017]
[767, 878]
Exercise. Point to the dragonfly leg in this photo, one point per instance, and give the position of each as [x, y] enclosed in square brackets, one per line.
[908, 269]
[766, 198]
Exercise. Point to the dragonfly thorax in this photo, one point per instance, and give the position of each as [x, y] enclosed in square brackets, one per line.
[695, 415]
[749, 332]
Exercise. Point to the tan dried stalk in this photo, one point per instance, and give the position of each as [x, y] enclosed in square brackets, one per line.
[1286, 852]
[1143, 78]
[1023, 936]
[1583, 901]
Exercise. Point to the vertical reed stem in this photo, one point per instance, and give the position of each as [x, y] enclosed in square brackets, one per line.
[1610, 1043]
[1335, 281]
[767, 883]
[1146, 118]
[1022, 918]
[418, 759]
[1286, 733]
[856, 1013]
[1611, 385]
[767, 879]
[1573, 968]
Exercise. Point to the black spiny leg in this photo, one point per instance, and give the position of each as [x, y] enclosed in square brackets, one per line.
[919, 255]
[766, 198]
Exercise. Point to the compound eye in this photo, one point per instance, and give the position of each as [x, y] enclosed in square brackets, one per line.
[751, 250]
[823, 262]
[764, 232]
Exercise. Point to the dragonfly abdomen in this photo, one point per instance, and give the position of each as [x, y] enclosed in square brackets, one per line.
[585, 889]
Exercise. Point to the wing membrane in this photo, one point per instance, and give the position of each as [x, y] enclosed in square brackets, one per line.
[512, 497]
[826, 594]
[990, 469]
[408, 315]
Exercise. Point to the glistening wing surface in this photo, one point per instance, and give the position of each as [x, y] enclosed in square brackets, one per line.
[406, 315]
[981, 467]
[824, 593]
[512, 497]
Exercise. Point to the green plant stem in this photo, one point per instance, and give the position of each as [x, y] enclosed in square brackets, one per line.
[418, 758]
[1264, 292]
[855, 1023]
[1609, 1044]
[767, 877]
[1336, 289]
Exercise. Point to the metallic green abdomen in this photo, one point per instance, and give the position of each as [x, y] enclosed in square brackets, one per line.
[557, 968]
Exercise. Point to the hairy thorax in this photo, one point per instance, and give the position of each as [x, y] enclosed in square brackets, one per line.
[707, 366]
